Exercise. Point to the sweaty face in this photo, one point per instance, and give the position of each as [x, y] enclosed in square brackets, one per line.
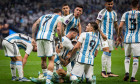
[88, 27]
[66, 10]
[78, 11]
[109, 5]
[74, 34]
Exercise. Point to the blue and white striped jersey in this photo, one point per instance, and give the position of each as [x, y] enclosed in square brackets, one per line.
[22, 41]
[71, 22]
[90, 42]
[132, 21]
[47, 26]
[107, 22]
[67, 46]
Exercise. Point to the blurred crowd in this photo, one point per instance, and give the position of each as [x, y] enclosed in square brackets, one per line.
[19, 15]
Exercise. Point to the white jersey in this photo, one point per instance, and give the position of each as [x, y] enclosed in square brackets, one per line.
[71, 22]
[107, 22]
[47, 26]
[22, 41]
[90, 42]
[67, 46]
[132, 21]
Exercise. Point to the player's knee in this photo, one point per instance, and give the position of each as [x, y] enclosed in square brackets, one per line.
[72, 78]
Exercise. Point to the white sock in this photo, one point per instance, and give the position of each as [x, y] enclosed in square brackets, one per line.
[104, 60]
[109, 63]
[135, 67]
[49, 76]
[19, 68]
[44, 72]
[127, 63]
[13, 68]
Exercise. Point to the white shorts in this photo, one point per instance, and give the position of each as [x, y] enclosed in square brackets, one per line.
[107, 43]
[132, 48]
[10, 49]
[45, 48]
[79, 69]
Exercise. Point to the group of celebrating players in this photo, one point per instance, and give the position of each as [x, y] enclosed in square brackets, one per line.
[76, 49]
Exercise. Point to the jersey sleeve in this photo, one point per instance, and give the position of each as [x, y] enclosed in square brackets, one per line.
[81, 38]
[67, 19]
[100, 16]
[115, 17]
[29, 49]
[123, 17]
[60, 19]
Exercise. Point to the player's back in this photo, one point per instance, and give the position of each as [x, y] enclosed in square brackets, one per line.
[22, 40]
[47, 26]
[132, 21]
[90, 43]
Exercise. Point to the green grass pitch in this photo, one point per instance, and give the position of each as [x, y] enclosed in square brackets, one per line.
[33, 65]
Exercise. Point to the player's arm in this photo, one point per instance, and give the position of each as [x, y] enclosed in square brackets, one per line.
[116, 26]
[76, 47]
[25, 59]
[59, 30]
[96, 52]
[34, 28]
[119, 31]
[102, 34]
[79, 28]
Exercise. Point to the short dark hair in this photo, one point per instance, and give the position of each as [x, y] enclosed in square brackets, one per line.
[80, 6]
[74, 42]
[94, 25]
[57, 10]
[74, 29]
[135, 3]
[108, 0]
[65, 4]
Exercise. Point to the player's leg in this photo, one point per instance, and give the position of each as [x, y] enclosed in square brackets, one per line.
[13, 68]
[8, 50]
[127, 60]
[41, 53]
[76, 72]
[89, 74]
[136, 54]
[109, 73]
[50, 53]
[44, 65]
[50, 69]
[105, 48]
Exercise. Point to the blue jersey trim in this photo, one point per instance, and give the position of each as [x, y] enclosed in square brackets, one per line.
[69, 26]
[85, 48]
[105, 21]
[126, 20]
[110, 23]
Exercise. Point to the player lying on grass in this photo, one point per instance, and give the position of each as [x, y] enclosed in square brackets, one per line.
[10, 45]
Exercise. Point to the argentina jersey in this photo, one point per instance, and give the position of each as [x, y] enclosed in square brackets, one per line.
[67, 46]
[107, 22]
[90, 42]
[71, 22]
[132, 21]
[47, 26]
[22, 41]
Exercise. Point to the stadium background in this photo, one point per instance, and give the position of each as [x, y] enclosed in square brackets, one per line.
[21, 14]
